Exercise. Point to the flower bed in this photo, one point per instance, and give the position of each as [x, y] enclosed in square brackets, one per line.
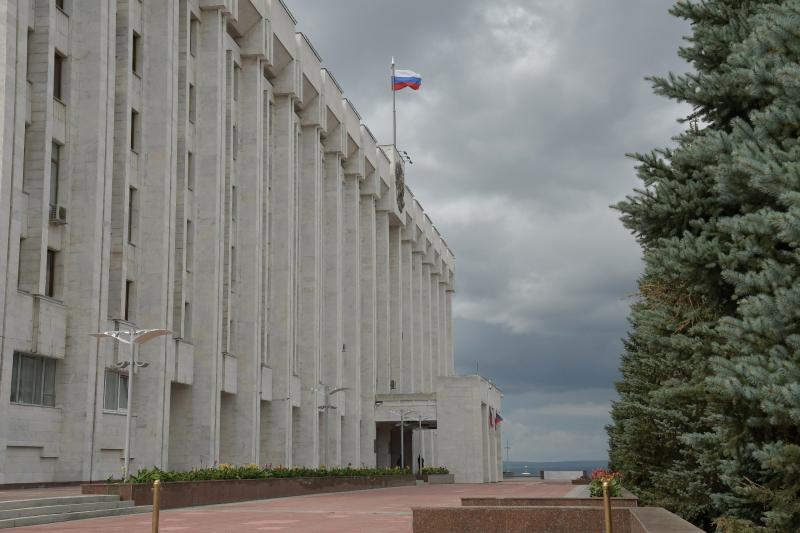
[614, 479]
[228, 483]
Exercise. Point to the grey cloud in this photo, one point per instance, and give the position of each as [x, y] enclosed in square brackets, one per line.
[518, 136]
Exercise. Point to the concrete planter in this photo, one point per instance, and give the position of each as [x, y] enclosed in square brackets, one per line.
[439, 479]
[190, 493]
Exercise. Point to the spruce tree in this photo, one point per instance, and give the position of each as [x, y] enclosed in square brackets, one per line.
[709, 410]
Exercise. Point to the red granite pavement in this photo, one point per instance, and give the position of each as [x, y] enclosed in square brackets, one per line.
[373, 511]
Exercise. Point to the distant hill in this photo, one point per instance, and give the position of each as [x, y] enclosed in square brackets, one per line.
[535, 466]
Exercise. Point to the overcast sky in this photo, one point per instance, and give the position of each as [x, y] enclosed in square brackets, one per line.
[518, 137]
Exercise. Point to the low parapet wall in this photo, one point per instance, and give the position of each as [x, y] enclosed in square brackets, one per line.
[560, 519]
[190, 493]
[549, 519]
[548, 502]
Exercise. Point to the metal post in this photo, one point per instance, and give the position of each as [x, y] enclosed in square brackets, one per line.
[394, 110]
[129, 409]
[607, 507]
[156, 503]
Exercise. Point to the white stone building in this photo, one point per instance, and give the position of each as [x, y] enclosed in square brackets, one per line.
[191, 165]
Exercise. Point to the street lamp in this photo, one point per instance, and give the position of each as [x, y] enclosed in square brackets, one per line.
[403, 413]
[327, 408]
[134, 337]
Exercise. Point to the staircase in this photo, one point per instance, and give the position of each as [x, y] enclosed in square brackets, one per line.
[17, 513]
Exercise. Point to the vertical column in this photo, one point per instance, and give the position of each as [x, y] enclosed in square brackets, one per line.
[242, 438]
[156, 222]
[382, 295]
[419, 334]
[282, 281]
[435, 329]
[332, 299]
[306, 435]
[409, 383]
[203, 437]
[443, 358]
[86, 237]
[449, 327]
[368, 327]
[351, 320]
[426, 328]
[395, 307]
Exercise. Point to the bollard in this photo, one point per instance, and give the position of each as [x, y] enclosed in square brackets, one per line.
[607, 507]
[156, 503]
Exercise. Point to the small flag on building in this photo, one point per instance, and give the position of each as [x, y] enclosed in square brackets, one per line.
[406, 78]
[497, 419]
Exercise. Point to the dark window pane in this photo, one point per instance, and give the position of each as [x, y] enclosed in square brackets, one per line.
[49, 383]
[15, 376]
[110, 396]
[123, 391]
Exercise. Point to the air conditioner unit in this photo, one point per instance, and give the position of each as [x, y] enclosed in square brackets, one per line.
[58, 214]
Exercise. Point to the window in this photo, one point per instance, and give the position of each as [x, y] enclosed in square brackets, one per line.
[55, 166]
[33, 380]
[60, 4]
[235, 142]
[190, 171]
[236, 71]
[187, 321]
[50, 275]
[134, 130]
[193, 36]
[58, 77]
[189, 245]
[115, 397]
[29, 59]
[192, 104]
[128, 312]
[133, 214]
[136, 53]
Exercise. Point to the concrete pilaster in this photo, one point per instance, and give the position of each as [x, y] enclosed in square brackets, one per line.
[90, 150]
[332, 300]
[200, 444]
[305, 442]
[156, 232]
[409, 369]
[427, 352]
[351, 320]
[384, 325]
[396, 307]
[419, 331]
[241, 438]
[434, 310]
[282, 282]
[368, 291]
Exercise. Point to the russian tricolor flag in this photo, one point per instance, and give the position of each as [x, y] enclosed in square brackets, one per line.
[406, 78]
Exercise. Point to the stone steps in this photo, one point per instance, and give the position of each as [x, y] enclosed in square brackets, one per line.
[18, 513]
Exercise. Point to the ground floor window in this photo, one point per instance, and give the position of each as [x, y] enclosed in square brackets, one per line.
[33, 380]
[116, 392]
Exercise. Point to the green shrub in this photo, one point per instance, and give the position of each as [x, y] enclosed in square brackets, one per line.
[225, 471]
[426, 470]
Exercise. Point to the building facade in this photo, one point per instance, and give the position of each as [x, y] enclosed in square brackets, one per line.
[191, 165]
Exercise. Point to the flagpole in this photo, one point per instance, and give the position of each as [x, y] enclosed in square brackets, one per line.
[394, 109]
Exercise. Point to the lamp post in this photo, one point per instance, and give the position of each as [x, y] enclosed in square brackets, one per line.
[326, 408]
[133, 337]
[403, 413]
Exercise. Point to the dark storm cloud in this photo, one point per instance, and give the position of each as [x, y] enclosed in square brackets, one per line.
[518, 136]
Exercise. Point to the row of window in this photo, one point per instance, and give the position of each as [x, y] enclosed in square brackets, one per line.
[33, 382]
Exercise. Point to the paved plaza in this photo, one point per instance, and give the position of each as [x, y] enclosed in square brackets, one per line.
[373, 511]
